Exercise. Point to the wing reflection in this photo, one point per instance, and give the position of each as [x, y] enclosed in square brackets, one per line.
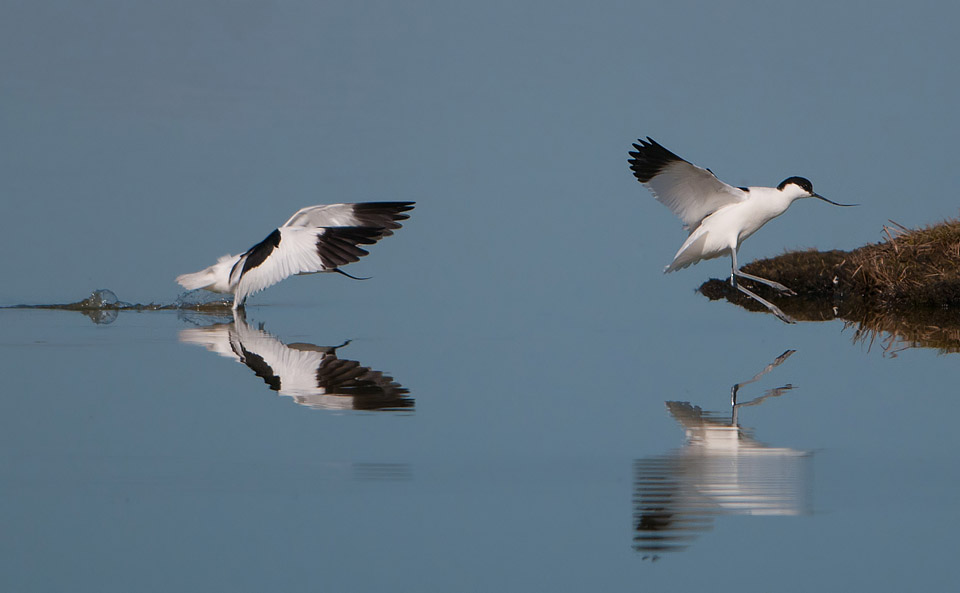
[721, 470]
[313, 376]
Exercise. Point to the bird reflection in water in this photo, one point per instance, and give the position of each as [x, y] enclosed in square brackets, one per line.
[721, 470]
[314, 376]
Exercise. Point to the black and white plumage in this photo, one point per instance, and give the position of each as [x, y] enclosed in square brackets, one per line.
[689, 191]
[313, 376]
[718, 216]
[315, 239]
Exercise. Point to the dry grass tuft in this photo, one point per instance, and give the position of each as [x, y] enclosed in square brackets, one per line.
[912, 268]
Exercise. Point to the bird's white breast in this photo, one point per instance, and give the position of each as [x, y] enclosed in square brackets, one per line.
[763, 205]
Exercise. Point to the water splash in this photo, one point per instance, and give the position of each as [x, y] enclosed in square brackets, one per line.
[103, 305]
[199, 299]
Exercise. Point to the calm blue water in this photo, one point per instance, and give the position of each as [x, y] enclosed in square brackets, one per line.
[136, 457]
[513, 356]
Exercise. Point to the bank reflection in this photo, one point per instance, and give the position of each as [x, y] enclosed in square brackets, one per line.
[721, 470]
[893, 329]
[313, 376]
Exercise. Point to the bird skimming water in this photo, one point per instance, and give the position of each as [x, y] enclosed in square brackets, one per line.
[719, 217]
[315, 239]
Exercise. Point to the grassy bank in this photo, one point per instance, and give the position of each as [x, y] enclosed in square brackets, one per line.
[908, 269]
[907, 285]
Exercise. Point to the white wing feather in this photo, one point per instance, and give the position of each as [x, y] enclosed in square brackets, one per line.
[691, 192]
[325, 215]
[296, 254]
[385, 215]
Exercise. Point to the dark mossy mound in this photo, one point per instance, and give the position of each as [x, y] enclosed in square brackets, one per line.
[907, 286]
[911, 268]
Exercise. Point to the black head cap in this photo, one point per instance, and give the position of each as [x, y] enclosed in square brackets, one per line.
[801, 181]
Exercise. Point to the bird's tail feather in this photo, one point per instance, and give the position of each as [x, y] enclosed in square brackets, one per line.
[196, 280]
[673, 268]
[693, 250]
[215, 278]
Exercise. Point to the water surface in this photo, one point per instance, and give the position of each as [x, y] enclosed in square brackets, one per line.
[134, 459]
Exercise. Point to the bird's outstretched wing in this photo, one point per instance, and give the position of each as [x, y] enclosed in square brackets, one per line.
[298, 250]
[691, 192]
[385, 215]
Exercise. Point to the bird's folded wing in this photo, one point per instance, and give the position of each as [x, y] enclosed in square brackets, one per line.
[385, 215]
[691, 192]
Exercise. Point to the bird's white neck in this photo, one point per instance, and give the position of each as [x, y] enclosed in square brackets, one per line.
[774, 201]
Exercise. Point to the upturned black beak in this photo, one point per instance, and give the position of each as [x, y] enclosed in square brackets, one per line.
[830, 201]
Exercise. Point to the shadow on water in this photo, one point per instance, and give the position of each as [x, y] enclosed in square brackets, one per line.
[314, 376]
[895, 329]
[721, 470]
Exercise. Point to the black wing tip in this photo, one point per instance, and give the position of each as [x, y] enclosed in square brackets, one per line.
[338, 246]
[383, 214]
[647, 144]
[392, 207]
[649, 158]
[366, 235]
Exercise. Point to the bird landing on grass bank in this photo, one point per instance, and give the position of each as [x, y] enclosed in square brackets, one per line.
[316, 239]
[720, 217]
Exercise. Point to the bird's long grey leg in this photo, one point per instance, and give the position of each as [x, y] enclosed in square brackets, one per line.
[773, 308]
[770, 283]
[735, 271]
[733, 267]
